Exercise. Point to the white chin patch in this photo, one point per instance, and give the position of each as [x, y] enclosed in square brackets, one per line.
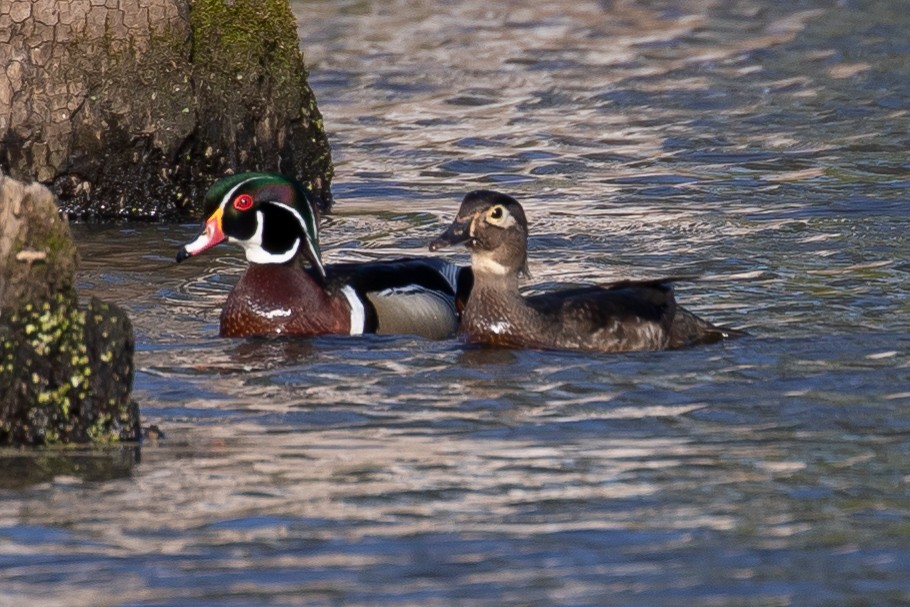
[487, 265]
[256, 254]
[254, 251]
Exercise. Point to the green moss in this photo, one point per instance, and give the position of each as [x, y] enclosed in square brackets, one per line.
[99, 432]
[250, 77]
[53, 332]
[228, 40]
[58, 245]
[46, 367]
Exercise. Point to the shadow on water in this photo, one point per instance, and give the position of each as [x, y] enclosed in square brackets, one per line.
[21, 469]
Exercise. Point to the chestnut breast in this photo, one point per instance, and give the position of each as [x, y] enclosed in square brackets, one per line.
[282, 299]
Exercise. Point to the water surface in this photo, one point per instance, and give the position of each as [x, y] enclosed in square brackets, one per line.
[760, 145]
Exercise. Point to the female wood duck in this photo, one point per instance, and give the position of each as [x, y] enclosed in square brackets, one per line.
[288, 290]
[620, 317]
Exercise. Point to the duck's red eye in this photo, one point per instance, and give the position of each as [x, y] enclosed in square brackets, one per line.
[243, 202]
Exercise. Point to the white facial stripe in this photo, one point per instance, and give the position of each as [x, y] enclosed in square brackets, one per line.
[230, 195]
[256, 254]
[358, 314]
[311, 246]
[254, 251]
[253, 246]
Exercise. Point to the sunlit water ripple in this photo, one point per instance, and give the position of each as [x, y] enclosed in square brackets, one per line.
[760, 146]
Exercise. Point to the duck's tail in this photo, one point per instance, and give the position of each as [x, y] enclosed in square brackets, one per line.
[689, 330]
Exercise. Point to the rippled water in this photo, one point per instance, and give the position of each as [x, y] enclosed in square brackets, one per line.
[761, 145]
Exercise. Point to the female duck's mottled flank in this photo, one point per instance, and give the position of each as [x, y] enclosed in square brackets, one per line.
[624, 316]
[288, 290]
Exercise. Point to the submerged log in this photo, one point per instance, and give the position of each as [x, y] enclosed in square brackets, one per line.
[65, 372]
[132, 109]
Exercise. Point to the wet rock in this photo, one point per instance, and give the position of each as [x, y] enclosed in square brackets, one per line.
[133, 109]
[65, 372]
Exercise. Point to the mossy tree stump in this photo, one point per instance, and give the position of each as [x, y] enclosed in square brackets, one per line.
[65, 373]
[133, 111]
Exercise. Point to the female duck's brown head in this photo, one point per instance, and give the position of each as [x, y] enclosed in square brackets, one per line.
[494, 228]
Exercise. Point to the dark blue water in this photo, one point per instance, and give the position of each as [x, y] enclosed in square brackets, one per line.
[761, 146]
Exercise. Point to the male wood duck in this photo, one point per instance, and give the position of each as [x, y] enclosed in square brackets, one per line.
[288, 290]
[619, 317]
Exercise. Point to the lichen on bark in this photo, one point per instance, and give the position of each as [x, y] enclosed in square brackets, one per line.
[54, 388]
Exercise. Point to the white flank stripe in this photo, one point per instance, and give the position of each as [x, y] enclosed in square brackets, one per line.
[230, 195]
[358, 314]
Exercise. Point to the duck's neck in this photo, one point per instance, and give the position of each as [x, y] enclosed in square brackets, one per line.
[495, 311]
[501, 285]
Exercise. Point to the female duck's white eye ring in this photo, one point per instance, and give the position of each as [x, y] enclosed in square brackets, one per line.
[496, 212]
[243, 202]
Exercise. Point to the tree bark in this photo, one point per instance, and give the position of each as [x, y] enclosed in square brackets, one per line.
[132, 109]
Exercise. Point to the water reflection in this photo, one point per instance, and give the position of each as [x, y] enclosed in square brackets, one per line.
[757, 146]
[21, 470]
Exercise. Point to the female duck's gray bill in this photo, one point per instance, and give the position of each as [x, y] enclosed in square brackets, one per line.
[457, 233]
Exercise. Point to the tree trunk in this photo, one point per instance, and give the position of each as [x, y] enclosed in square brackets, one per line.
[132, 109]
